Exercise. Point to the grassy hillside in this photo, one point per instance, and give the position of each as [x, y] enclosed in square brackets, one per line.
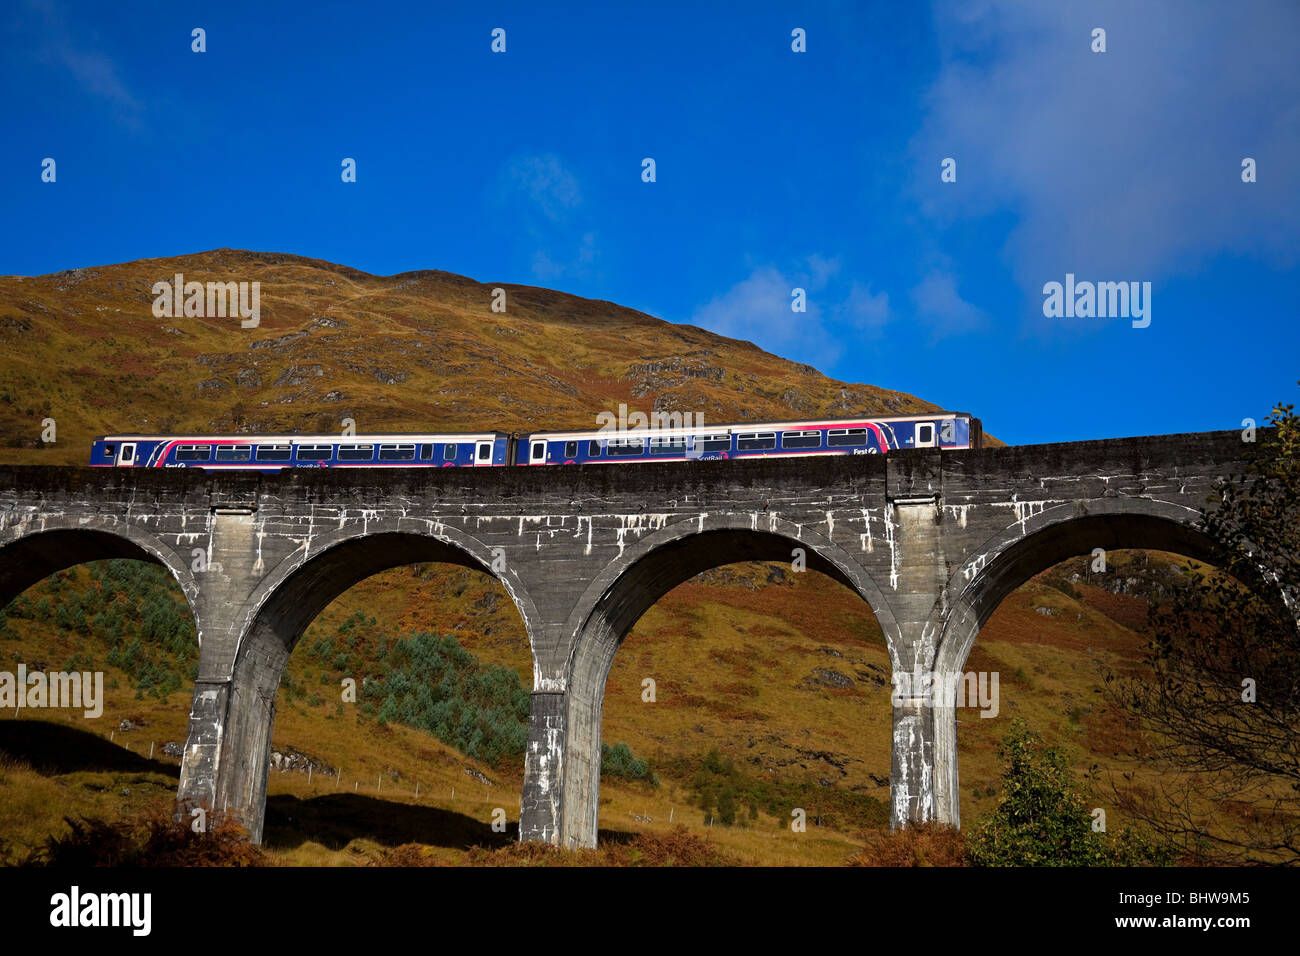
[421, 350]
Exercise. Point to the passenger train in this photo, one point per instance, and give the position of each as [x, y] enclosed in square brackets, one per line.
[945, 431]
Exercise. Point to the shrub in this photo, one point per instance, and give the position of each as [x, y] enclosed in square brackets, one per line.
[435, 685]
[149, 838]
[619, 761]
[917, 844]
[1042, 820]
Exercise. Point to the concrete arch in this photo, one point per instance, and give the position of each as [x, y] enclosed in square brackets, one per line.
[32, 552]
[633, 583]
[768, 538]
[282, 606]
[1009, 559]
[338, 559]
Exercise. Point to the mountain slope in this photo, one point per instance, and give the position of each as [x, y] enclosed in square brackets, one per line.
[420, 350]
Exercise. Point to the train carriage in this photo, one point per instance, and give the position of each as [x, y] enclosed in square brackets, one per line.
[273, 453]
[860, 436]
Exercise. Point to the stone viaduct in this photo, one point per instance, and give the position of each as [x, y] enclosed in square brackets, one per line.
[931, 541]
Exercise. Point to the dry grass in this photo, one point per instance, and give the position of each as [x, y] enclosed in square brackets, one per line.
[417, 351]
[925, 844]
[148, 838]
[676, 847]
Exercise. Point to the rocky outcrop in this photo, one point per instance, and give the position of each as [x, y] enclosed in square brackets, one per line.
[293, 760]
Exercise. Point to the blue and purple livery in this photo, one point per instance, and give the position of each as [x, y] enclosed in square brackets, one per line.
[945, 431]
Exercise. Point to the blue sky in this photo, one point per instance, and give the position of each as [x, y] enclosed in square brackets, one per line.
[775, 170]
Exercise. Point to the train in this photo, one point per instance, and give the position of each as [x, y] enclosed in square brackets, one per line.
[944, 431]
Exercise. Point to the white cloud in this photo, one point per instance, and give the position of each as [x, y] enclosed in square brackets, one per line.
[1123, 164]
[866, 311]
[548, 269]
[542, 200]
[758, 309]
[821, 270]
[545, 182]
[941, 308]
[94, 71]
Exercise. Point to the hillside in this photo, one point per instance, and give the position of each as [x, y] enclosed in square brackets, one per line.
[420, 350]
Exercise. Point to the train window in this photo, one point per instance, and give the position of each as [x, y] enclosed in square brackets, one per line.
[593, 449]
[668, 445]
[801, 439]
[449, 451]
[235, 452]
[713, 442]
[626, 446]
[756, 441]
[397, 453]
[837, 437]
[315, 452]
[193, 452]
[110, 450]
[426, 452]
[570, 449]
[356, 452]
[273, 452]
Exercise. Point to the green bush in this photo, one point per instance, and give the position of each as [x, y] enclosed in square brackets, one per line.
[619, 761]
[133, 609]
[722, 788]
[1042, 819]
[80, 661]
[727, 793]
[434, 684]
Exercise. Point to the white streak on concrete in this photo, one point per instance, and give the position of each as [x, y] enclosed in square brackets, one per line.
[893, 549]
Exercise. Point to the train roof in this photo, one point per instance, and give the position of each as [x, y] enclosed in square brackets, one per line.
[706, 428]
[314, 439]
[710, 427]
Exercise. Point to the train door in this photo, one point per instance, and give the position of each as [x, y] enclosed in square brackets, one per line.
[537, 454]
[924, 435]
[483, 454]
[126, 455]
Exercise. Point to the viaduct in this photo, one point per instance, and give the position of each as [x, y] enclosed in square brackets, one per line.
[931, 541]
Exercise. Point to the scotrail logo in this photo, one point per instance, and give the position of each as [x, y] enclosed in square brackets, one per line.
[212, 300]
[1104, 300]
